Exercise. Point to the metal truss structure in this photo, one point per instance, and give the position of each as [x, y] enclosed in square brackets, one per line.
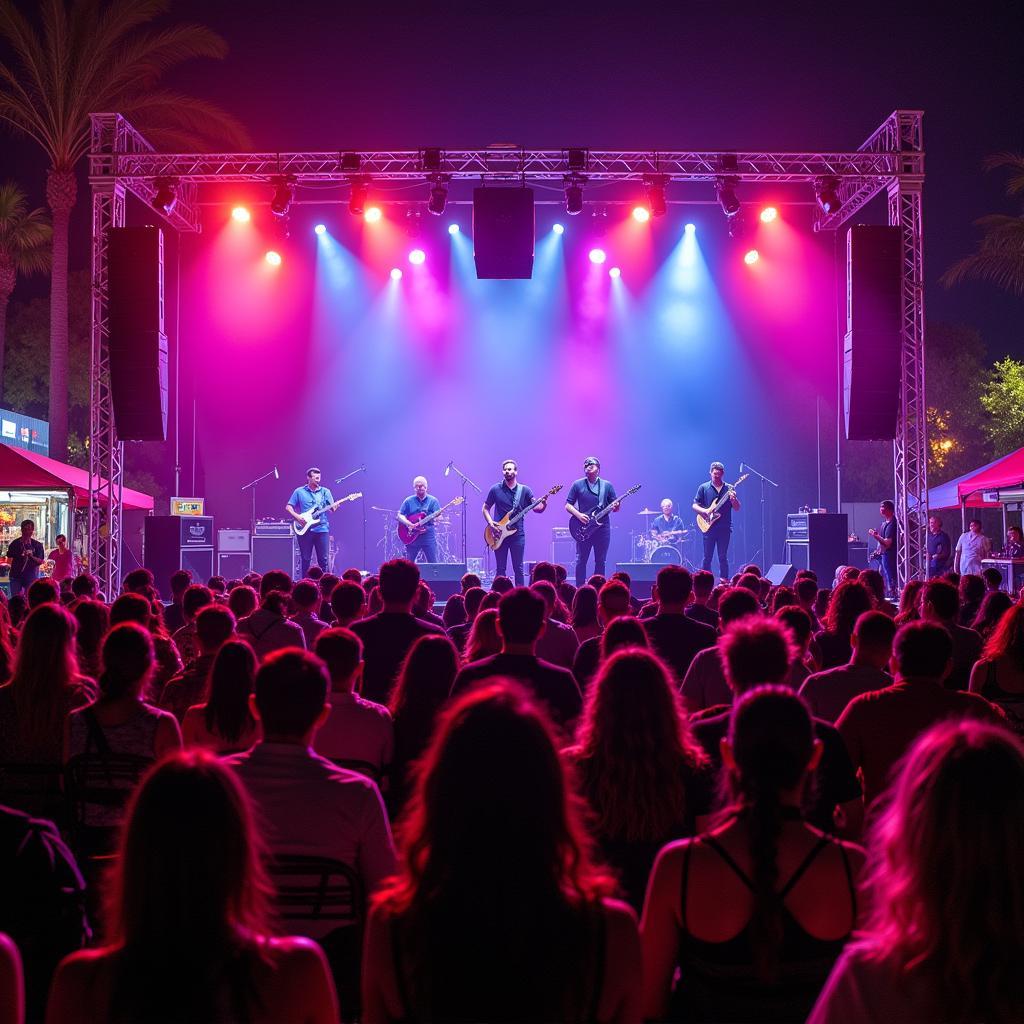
[891, 160]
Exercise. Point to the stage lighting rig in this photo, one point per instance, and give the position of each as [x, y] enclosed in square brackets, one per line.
[725, 193]
[166, 197]
[654, 186]
[573, 185]
[357, 196]
[438, 194]
[826, 192]
[284, 193]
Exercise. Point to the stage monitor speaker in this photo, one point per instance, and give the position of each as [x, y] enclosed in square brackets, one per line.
[137, 343]
[273, 553]
[871, 348]
[642, 576]
[781, 574]
[233, 565]
[503, 233]
[443, 578]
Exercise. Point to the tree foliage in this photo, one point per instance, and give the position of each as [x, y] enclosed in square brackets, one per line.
[1003, 399]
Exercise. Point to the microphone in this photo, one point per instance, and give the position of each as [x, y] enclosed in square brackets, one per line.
[277, 476]
[741, 467]
[448, 468]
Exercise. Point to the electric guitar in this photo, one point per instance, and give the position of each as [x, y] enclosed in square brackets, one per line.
[669, 536]
[705, 520]
[420, 521]
[595, 520]
[313, 515]
[494, 536]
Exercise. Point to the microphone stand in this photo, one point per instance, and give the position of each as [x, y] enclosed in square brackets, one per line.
[465, 480]
[251, 486]
[747, 467]
[362, 506]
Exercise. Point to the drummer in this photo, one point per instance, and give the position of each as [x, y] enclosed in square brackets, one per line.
[668, 528]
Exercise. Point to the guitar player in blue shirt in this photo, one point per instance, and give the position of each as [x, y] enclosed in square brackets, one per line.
[424, 504]
[586, 495]
[318, 537]
[507, 496]
[721, 530]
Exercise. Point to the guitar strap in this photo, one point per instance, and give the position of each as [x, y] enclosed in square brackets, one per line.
[515, 500]
[602, 492]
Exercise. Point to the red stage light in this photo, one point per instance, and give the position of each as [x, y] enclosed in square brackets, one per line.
[641, 214]
[751, 257]
[241, 215]
[768, 214]
[372, 215]
[273, 258]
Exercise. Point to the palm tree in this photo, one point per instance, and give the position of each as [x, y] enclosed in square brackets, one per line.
[24, 249]
[97, 55]
[1000, 256]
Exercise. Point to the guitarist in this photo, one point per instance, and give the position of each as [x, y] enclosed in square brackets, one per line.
[721, 532]
[318, 537]
[586, 495]
[509, 496]
[420, 502]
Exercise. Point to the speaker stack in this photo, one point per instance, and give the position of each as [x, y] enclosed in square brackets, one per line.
[170, 543]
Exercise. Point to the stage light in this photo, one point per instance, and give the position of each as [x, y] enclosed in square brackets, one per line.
[615, 273]
[396, 274]
[826, 192]
[768, 214]
[751, 257]
[641, 214]
[654, 184]
[357, 198]
[558, 229]
[438, 195]
[241, 215]
[453, 229]
[725, 193]
[321, 229]
[690, 228]
[573, 184]
[417, 256]
[373, 214]
[273, 257]
[166, 197]
[284, 193]
[598, 256]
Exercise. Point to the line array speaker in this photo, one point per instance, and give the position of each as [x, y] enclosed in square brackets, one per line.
[503, 233]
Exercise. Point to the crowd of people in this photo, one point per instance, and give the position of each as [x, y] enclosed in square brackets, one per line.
[268, 801]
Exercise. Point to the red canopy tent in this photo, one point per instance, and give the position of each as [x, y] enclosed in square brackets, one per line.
[22, 470]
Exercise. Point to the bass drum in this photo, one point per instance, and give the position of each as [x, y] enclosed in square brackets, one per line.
[666, 554]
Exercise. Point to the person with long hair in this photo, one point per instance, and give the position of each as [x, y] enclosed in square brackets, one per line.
[421, 691]
[993, 606]
[93, 619]
[644, 778]
[754, 913]
[188, 933]
[584, 613]
[223, 722]
[944, 937]
[136, 608]
[848, 602]
[45, 688]
[484, 639]
[497, 912]
[999, 674]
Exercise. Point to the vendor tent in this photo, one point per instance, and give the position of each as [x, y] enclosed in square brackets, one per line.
[22, 470]
[966, 490]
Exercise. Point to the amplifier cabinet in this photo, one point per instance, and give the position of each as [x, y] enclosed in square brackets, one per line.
[233, 565]
[824, 546]
[275, 553]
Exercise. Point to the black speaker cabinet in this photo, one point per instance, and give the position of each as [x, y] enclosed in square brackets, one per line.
[825, 547]
[871, 348]
[233, 565]
[443, 578]
[274, 553]
[503, 232]
[642, 576]
[170, 543]
[137, 342]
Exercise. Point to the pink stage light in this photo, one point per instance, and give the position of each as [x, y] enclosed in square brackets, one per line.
[273, 258]
[417, 257]
[768, 214]
[598, 256]
[396, 274]
[241, 215]
[751, 257]
[641, 214]
[615, 273]
[372, 215]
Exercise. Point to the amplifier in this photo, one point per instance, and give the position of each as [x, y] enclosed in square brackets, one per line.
[817, 541]
[563, 547]
[273, 528]
[177, 542]
[274, 552]
[443, 578]
[233, 540]
[233, 565]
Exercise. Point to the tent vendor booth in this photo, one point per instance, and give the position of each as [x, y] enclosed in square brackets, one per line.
[50, 493]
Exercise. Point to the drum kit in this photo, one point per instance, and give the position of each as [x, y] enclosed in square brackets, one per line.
[665, 551]
[390, 546]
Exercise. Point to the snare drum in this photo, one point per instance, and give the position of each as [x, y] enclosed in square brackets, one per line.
[666, 554]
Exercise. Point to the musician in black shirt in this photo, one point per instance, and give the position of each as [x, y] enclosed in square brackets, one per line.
[587, 495]
[721, 530]
[510, 496]
[26, 556]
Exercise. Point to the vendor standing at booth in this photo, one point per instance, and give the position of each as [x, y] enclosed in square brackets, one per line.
[26, 555]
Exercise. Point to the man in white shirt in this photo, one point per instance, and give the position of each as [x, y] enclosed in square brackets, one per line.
[971, 548]
[357, 730]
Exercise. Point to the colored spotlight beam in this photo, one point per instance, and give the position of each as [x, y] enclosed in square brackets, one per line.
[241, 215]
[751, 257]
[769, 214]
[558, 229]
[273, 257]
[598, 256]
[417, 257]
[372, 214]
[641, 214]
[321, 229]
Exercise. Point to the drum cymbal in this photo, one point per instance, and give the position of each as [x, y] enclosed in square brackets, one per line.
[648, 512]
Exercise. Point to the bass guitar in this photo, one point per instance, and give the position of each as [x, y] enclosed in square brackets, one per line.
[495, 536]
[595, 520]
[421, 520]
[705, 520]
[312, 516]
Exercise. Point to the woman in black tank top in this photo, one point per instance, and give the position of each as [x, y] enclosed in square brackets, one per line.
[754, 913]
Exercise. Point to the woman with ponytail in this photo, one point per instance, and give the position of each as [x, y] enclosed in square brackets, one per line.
[754, 913]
